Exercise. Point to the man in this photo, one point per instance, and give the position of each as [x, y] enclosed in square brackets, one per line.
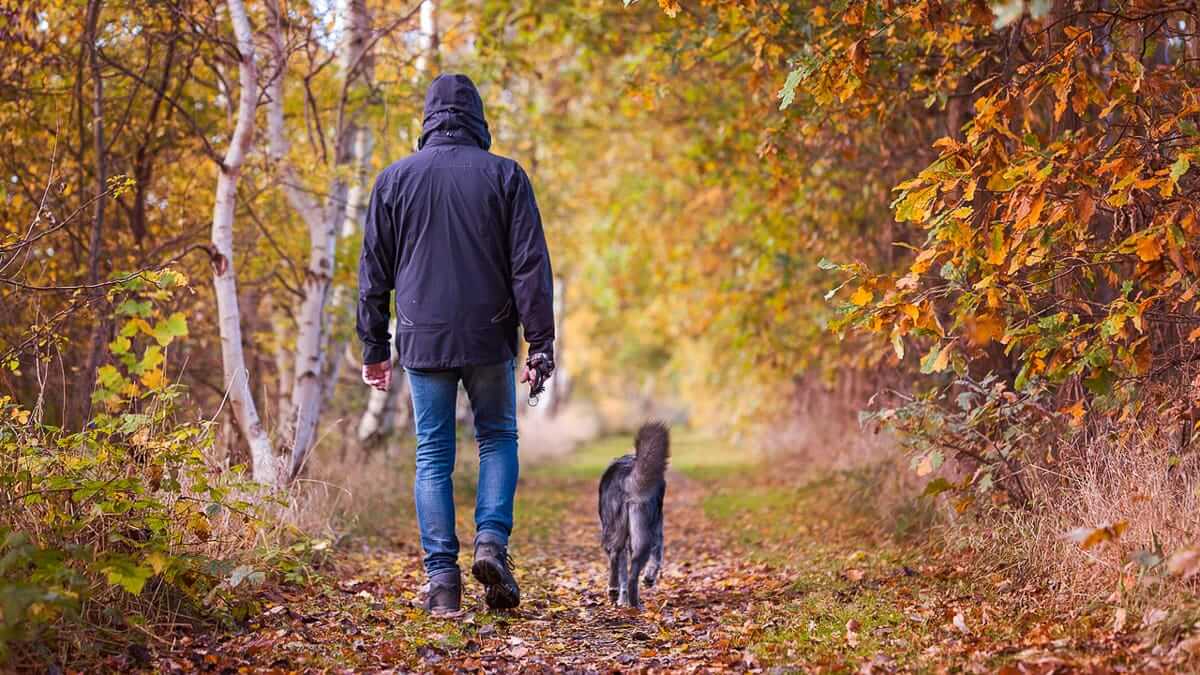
[455, 231]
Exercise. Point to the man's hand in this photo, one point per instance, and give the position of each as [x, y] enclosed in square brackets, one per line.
[538, 369]
[378, 375]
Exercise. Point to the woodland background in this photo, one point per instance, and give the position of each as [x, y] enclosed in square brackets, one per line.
[970, 225]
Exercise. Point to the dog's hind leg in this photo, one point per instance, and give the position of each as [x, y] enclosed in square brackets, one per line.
[618, 565]
[641, 541]
[654, 566]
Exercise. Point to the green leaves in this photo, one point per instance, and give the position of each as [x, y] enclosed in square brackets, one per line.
[805, 66]
[936, 487]
[170, 328]
[123, 572]
[916, 205]
[114, 506]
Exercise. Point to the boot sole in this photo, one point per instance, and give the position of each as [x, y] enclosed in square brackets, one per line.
[502, 591]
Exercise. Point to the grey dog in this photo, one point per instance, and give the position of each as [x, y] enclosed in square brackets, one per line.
[631, 514]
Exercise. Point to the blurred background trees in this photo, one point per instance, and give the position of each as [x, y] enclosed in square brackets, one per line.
[747, 201]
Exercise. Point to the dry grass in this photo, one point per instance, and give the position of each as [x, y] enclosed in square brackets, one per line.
[822, 436]
[1128, 474]
[344, 486]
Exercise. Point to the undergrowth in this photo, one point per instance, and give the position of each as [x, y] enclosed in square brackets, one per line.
[123, 531]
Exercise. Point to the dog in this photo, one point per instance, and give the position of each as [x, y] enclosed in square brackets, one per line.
[631, 514]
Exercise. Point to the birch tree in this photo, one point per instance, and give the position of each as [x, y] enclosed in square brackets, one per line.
[323, 220]
[374, 421]
[233, 360]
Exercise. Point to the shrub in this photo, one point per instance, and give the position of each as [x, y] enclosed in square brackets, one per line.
[123, 523]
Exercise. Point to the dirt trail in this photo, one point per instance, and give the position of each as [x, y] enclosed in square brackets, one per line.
[691, 619]
[762, 574]
[365, 616]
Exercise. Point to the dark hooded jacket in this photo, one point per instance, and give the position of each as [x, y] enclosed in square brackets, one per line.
[456, 232]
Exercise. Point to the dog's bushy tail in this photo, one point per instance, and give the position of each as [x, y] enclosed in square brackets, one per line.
[653, 447]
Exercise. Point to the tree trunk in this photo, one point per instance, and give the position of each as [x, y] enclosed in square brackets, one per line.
[372, 422]
[233, 359]
[324, 224]
[96, 339]
[428, 60]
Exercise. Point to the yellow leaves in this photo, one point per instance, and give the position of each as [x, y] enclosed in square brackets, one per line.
[924, 261]
[669, 7]
[929, 463]
[998, 247]
[1088, 537]
[157, 560]
[1194, 335]
[854, 14]
[969, 191]
[1143, 358]
[1076, 413]
[861, 297]
[1085, 208]
[1030, 210]
[898, 343]
[1062, 93]
[983, 329]
[19, 415]
[154, 379]
[938, 358]
[916, 205]
[1149, 248]
[858, 57]
[199, 526]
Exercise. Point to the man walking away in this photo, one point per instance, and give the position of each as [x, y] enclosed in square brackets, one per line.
[455, 231]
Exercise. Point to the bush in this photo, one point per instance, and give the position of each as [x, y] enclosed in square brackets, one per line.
[123, 523]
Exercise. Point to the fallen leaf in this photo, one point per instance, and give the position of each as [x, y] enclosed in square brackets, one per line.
[852, 627]
[960, 622]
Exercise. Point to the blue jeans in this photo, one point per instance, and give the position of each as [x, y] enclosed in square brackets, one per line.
[493, 395]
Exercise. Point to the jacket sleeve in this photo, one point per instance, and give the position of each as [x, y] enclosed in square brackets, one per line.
[532, 277]
[376, 278]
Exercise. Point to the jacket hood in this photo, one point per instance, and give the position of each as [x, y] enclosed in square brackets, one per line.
[454, 110]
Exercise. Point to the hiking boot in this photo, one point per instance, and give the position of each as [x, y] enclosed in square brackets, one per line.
[445, 593]
[493, 568]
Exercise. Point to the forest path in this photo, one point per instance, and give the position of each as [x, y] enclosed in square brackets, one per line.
[764, 571]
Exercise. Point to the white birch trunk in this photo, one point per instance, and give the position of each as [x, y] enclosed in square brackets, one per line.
[264, 466]
[324, 224]
[373, 420]
[427, 38]
[556, 387]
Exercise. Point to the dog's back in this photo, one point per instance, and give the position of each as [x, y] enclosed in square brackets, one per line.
[631, 512]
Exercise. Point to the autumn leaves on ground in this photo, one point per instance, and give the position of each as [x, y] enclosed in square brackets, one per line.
[770, 566]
